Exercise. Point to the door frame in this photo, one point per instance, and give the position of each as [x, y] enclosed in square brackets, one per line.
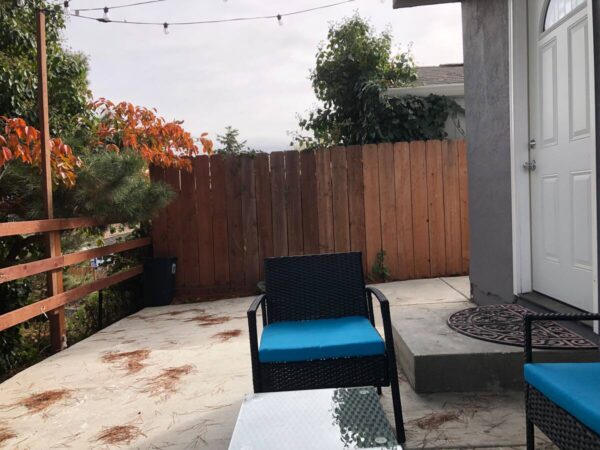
[519, 145]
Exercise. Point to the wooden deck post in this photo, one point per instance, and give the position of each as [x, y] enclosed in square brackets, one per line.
[58, 333]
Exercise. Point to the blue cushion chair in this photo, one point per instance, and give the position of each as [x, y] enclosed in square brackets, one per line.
[562, 399]
[319, 329]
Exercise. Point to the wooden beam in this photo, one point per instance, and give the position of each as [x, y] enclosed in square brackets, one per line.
[54, 302]
[58, 262]
[45, 225]
[58, 330]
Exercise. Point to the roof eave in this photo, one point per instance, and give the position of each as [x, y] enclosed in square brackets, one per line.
[410, 3]
[448, 90]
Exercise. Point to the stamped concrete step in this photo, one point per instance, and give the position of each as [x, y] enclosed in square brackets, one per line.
[436, 358]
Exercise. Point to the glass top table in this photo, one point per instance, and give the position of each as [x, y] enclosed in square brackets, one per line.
[347, 418]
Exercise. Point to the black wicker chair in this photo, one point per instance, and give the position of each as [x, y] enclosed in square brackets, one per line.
[311, 288]
[556, 417]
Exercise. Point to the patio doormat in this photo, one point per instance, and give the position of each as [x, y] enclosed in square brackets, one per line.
[503, 324]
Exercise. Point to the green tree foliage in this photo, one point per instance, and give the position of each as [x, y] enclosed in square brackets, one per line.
[230, 142]
[67, 70]
[354, 67]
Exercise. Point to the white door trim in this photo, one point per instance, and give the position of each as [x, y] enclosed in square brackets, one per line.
[519, 145]
[519, 152]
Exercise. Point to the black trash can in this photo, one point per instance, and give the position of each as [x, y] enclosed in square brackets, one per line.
[159, 281]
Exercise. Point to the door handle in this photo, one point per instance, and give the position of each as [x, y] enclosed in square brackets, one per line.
[532, 143]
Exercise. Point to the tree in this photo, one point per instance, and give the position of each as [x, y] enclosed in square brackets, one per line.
[100, 154]
[354, 67]
[68, 87]
[230, 141]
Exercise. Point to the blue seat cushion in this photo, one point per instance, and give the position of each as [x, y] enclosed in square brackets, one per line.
[319, 339]
[575, 387]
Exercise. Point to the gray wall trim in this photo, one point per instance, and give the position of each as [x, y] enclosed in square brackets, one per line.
[487, 98]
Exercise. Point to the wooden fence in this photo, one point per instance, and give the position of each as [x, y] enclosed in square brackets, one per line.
[408, 199]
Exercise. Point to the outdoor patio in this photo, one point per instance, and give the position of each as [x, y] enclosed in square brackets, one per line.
[174, 377]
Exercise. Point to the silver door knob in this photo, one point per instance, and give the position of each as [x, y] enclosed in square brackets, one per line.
[530, 165]
[532, 143]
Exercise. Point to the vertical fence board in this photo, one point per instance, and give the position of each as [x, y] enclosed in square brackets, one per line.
[404, 218]
[372, 210]
[160, 238]
[452, 209]
[387, 201]
[173, 214]
[218, 174]
[294, 203]
[325, 201]
[249, 220]
[204, 222]
[263, 210]
[435, 195]
[234, 221]
[339, 183]
[418, 177]
[189, 234]
[278, 205]
[464, 204]
[308, 189]
[356, 202]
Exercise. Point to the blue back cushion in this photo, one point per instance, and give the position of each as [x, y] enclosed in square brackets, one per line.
[575, 387]
[319, 339]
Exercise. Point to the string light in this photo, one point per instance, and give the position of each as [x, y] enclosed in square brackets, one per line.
[126, 5]
[20, 3]
[167, 25]
[66, 7]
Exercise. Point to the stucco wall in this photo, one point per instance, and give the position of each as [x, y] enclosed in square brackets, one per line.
[486, 53]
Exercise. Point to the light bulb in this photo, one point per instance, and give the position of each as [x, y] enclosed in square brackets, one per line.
[20, 3]
[66, 8]
[279, 20]
[105, 16]
[166, 28]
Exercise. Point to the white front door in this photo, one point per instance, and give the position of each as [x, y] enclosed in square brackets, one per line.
[562, 132]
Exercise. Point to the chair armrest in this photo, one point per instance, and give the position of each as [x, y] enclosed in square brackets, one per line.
[258, 301]
[529, 318]
[253, 333]
[384, 304]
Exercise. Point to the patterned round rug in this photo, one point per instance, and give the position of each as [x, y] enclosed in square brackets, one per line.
[503, 324]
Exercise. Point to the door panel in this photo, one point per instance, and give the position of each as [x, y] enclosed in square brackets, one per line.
[561, 125]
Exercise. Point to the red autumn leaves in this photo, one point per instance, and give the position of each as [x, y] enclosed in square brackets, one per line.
[119, 126]
[18, 141]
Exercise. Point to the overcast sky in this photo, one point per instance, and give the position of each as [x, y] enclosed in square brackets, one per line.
[251, 75]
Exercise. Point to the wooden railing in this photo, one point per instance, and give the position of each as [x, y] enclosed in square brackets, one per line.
[53, 305]
[53, 265]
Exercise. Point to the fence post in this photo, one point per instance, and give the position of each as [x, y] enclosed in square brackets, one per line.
[58, 336]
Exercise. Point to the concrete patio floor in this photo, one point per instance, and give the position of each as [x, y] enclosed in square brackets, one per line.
[174, 377]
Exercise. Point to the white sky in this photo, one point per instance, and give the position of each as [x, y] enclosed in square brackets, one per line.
[251, 75]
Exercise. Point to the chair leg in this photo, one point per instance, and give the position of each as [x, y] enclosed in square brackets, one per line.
[399, 420]
[379, 392]
[530, 435]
